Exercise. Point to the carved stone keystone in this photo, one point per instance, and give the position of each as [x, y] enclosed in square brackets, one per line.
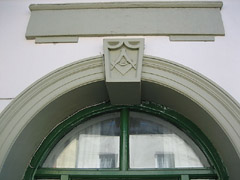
[123, 67]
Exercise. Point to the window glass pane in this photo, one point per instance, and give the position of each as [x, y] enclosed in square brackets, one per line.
[155, 143]
[93, 144]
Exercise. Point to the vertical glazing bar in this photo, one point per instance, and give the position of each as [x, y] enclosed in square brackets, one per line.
[124, 141]
[184, 177]
[77, 152]
[64, 177]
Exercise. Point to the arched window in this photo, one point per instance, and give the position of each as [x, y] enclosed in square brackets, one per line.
[126, 142]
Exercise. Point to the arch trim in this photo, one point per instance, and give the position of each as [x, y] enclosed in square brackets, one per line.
[66, 90]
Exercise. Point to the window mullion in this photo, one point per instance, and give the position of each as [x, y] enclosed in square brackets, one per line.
[124, 140]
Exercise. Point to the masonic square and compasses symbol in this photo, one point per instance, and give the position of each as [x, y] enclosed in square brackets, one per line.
[123, 63]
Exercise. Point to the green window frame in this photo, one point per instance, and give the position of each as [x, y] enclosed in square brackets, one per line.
[215, 171]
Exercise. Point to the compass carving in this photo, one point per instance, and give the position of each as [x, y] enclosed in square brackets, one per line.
[123, 67]
[123, 58]
[123, 63]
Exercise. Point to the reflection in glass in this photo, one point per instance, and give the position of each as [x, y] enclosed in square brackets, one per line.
[108, 160]
[93, 144]
[165, 160]
[155, 143]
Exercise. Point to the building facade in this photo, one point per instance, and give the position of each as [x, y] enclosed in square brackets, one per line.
[72, 65]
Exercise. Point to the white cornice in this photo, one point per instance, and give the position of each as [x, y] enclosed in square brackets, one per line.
[180, 20]
[110, 5]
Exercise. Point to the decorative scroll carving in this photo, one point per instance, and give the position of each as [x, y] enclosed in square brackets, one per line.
[123, 66]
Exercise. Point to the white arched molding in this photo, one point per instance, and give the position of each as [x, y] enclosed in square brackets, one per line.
[32, 115]
[35, 112]
[213, 99]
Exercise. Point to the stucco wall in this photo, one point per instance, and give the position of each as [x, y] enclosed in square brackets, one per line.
[22, 61]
